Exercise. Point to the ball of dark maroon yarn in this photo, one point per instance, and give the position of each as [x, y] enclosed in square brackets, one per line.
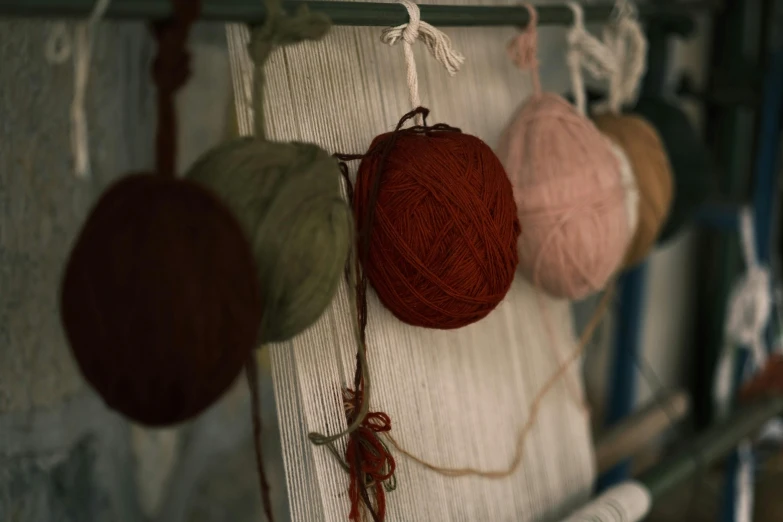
[443, 243]
[160, 301]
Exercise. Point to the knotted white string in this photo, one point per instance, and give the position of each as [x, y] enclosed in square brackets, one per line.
[437, 42]
[625, 38]
[58, 49]
[750, 303]
[749, 310]
[584, 50]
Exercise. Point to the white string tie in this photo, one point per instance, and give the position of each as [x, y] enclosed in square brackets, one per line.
[750, 303]
[625, 39]
[436, 41]
[585, 50]
[59, 48]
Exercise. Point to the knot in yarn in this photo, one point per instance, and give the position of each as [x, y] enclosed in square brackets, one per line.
[281, 29]
[652, 172]
[523, 49]
[376, 465]
[750, 303]
[287, 197]
[437, 42]
[441, 252]
[171, 67]
[749, 307]
[570, 197]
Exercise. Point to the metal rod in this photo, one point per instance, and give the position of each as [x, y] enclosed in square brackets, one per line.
[627, 347]
[345, 13]
[710, 447]
[630, 435]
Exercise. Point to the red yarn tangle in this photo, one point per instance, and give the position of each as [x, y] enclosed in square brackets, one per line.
[370, 464]
[768, 382]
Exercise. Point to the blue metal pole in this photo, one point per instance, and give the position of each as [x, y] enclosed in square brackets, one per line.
[627, 343]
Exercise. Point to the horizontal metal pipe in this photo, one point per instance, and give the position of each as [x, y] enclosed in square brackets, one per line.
[710, 447]
[345, 13]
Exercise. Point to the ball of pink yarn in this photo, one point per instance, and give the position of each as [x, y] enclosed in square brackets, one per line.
[569, 195]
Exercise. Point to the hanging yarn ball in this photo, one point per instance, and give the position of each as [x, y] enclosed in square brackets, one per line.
[652, 172]
[570, 198]
[287, 197]
[567, 179]
[689, 158]
[159, 300]
[442, 251]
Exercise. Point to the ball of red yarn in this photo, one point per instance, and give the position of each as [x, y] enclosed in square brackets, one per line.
[570, 196]
[442, 251]
[160, 300]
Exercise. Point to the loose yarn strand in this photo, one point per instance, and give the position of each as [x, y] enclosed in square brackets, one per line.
[58, 49]
[523, 49]
[251, 372]
[584, 50]
[437, 42]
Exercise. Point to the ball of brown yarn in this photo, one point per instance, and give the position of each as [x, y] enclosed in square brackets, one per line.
[442, 250]
[653, 174]
[160, 301]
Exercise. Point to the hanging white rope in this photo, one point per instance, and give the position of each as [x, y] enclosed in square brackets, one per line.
[747, 315]
[584, 50]
[437, 42]
[750, 302]
[624, 37]
[59, 48]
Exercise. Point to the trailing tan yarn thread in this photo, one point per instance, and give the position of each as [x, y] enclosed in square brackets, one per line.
[535, 407]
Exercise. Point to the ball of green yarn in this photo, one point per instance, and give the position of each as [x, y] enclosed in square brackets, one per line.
[287, 198]
[689, 158]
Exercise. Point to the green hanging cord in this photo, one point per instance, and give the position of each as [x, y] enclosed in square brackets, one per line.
[279, 29]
